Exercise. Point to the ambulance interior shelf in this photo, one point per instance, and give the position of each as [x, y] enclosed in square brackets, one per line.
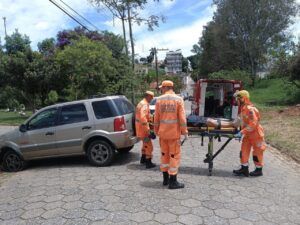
[197, 126]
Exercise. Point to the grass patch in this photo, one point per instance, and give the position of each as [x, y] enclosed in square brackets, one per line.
[282, 129]
[281, 122]
[13, 118]
[269, 92]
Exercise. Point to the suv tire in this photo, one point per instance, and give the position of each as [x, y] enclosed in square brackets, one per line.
[12, 162]
[125, 150]
[100, 153]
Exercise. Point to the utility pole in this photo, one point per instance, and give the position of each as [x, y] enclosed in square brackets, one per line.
[4, 20]
[156, 64]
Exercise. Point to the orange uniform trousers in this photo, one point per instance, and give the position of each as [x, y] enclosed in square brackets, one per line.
[258, 144]
[170, 155]
[147, 147]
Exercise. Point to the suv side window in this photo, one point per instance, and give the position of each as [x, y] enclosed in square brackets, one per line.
[73, 114]
[46, 118]
[103, 109]
[124, 106]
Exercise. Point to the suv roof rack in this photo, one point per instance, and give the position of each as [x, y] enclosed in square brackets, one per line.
[100, 95]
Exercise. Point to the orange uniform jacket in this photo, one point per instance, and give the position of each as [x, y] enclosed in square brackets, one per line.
[170, 118]
[250, 122]
[142, 118]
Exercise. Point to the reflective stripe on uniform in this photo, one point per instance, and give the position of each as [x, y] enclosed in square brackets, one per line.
[169, 121]
[183, 124]
[173, 169]
[164, 165]
[169, 97]
[155, 124]
[249, 128]
[259, 144]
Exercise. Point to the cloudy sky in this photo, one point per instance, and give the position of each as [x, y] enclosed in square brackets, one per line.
[40, 19]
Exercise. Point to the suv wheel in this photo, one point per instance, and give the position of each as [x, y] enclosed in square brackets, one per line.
[125, 150]
[100, 153]
[12, 162]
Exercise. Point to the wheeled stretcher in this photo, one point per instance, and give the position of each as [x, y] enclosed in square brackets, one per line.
[197, 126]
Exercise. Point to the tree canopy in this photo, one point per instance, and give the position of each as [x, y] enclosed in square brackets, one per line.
[75, 65]
[241, 34]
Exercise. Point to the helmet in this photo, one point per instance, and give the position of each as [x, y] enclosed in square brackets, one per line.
[242, 93]
[167, 83]
[149, 93]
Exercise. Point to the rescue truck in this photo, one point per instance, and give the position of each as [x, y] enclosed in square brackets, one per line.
[214, 98]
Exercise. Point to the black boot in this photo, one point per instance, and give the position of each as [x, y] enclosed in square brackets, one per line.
[149, 164]
[143, 159]
[166, 178]
[174, 184]
[256, 173]
[244, 170]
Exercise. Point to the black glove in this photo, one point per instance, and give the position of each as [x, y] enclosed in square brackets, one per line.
[152, 135]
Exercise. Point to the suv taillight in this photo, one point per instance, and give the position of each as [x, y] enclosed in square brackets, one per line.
[119, 124]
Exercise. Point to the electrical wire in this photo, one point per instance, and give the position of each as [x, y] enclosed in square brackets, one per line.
[79, 15]
[72, 17]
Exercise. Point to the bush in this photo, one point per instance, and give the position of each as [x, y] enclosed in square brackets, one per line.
[232, 75]
[12, 104]
[52, 97]
[275, 91]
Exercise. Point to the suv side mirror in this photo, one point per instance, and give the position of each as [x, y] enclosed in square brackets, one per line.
[23, 128]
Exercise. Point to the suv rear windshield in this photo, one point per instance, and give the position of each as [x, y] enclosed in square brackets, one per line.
[124, 106]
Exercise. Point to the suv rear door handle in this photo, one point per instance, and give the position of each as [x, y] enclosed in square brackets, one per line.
[49, 133]
[86, 128]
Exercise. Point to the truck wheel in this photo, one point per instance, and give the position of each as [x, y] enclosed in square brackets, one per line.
[12, 162]
[125, 150]
[100, 153]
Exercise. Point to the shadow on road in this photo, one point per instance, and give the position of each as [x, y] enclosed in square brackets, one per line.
[79, 161]
[153, 184]
[188, 170]
[138, 166]
[204, 172]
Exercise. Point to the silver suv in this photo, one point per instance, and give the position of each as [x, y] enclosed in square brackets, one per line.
[95, 127]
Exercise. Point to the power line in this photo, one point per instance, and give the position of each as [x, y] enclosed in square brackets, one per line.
[72, 17]
[79, 15]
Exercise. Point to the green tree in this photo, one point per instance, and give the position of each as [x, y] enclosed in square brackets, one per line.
[232, 75]
[47, 47]
[42, 76]
[88, 64]
[218, 51]
[17, 43]
[185, 65]
[129, 11]
[255, 25]
[112, 41]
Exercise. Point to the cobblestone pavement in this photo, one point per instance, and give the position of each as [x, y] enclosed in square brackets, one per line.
[70, 191]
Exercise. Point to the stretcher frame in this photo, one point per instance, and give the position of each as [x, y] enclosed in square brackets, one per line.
[213, 133]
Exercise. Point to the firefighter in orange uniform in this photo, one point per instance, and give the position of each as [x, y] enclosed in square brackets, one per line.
[142, 124]
[252, 134]
[169, 125]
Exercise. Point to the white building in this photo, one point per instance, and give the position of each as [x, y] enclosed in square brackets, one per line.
[173, 62]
